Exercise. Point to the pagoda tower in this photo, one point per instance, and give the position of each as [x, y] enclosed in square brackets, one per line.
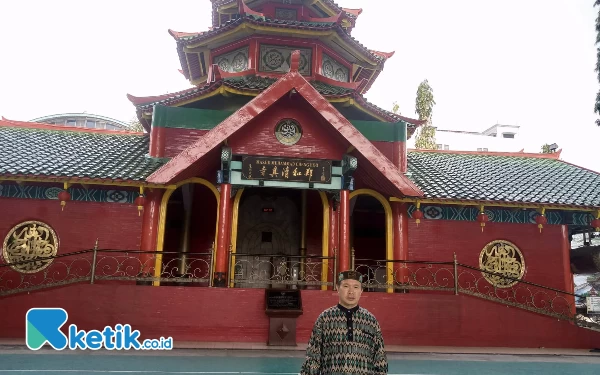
[249, 46]
[293, 77]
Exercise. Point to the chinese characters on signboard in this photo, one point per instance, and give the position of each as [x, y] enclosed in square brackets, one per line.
[279, 169]
[593, 305]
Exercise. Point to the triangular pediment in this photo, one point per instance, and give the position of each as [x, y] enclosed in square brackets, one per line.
[378, 166]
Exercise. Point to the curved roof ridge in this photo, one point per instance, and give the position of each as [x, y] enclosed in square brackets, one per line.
[106, 118]
[4, 122]
[554, 155]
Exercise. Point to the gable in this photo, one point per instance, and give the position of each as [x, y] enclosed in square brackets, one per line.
[318, 140]
[377, 166]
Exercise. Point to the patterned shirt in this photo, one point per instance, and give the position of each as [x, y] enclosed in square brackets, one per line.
[345, 341]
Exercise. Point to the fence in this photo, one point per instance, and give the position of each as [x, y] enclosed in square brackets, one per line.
[105, 265]
[460, 278]
[277, 270]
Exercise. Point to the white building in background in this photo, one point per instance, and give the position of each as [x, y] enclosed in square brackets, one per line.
[499, 138]
[83, 120]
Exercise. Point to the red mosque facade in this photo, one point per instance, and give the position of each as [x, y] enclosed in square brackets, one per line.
[273, 171]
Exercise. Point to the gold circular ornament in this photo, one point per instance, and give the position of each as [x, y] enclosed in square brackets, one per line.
[31, 241]
[288, 131]
[505, 258]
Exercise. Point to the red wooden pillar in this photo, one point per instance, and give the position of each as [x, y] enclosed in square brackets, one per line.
[150, 230]
[333, 239]
[568, 275]
[344, 239]
[157, 142]
[400, 223]
[222, 256]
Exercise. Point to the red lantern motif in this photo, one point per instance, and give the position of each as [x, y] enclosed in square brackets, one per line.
[139, 202]
[417, 215]
[596, 225]
[482, 218]
[541, 221]
[63, 197]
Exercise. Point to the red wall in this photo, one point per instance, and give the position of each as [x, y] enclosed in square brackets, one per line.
[189, 314]
[386, 148]
[437, 240]
[318, 141]
[115, 225]
[177, 140]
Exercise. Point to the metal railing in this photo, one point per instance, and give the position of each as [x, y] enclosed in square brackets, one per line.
[95, 264]
[458, 278]
[277, 270]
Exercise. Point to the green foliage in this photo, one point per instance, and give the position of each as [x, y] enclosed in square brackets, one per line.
[425, 137]
[396, 108]
[135, 125]
[546, 149]
[425, 102]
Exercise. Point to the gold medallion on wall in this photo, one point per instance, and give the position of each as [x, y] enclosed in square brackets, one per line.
[33, 242]
[288, 131]
[505, 258]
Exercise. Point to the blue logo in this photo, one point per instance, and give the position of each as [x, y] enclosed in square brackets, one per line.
[43, 325]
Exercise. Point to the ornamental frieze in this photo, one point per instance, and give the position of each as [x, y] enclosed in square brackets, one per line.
[77, 194]
[496, 214]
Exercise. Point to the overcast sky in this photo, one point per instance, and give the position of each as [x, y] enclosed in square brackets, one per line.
[523, 62]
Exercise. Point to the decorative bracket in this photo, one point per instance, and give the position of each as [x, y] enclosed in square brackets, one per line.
[349, 165]
[224, 174]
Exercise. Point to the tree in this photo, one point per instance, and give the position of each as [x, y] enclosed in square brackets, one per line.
[135, 125]
[597, 106]
[396, 106]
[546, 149]
[425, 137]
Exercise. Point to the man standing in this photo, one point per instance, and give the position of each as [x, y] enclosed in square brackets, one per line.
[346, 339]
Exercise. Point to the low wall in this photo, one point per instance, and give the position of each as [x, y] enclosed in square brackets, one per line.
[237, 315]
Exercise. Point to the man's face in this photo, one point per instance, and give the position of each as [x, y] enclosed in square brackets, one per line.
[349, 292]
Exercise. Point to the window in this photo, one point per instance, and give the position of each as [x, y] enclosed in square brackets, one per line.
[482, 149]
[90, 124]
[71, 122]
[267, 237]
[439, 146]
[508, 135]
[446, 147]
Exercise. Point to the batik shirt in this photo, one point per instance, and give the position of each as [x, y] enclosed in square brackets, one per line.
[345, 341]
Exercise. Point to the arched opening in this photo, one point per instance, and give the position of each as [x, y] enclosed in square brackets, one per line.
[371, 237]
[271, 232]
[189, 233]
[268, 233]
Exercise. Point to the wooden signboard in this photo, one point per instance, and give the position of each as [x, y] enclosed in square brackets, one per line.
[283, 169]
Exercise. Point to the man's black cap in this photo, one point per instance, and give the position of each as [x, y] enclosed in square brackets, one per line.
[350, 275]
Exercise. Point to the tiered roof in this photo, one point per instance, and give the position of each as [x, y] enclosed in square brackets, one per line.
[255, 84]
[329, 6]
[186, 40]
